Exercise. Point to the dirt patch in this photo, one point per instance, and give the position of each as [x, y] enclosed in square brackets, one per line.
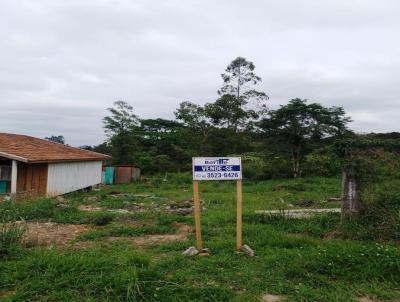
[271, 298]
[50, 233]
[182, 234]
[89, 208]
[366, 299]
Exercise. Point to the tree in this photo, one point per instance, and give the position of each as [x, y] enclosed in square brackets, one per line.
[299, 124]
[120, 128]
[227, 111]
[239, 102]
[192, 115]
[195, 119]
[56, 139]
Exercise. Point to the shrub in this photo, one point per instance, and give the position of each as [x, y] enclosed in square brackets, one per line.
[383, 213]
[321, 162]
[380, 217]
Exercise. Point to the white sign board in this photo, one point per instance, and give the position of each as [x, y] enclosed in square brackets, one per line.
[217, 168]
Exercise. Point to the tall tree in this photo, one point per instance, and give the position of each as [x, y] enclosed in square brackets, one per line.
[239, 103]
[301, 124]
[120, 128]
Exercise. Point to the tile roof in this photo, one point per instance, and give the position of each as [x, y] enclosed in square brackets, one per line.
[35, 150]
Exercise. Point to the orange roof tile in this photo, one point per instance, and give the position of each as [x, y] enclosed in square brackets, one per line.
[35, 150]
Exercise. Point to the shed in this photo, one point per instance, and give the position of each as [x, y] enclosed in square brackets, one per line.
[37, 167]
[120, 174]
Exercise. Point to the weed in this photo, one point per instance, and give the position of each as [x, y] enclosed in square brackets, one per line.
[10, 231]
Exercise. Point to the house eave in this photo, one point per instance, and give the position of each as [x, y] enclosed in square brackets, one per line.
[13, 157]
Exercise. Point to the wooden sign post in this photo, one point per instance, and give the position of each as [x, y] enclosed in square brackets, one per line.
[239, 200]
[218, 168]
[199, 244]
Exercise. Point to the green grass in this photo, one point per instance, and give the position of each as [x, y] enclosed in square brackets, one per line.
[300, 259]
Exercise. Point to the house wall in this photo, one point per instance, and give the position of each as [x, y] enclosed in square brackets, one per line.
[31, 179]
[71, 176]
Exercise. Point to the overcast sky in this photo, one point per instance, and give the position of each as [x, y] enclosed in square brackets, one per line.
[63, 62]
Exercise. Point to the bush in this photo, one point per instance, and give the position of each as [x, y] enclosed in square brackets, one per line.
[380, 217]
[321, 162]
[384, 212]
[10, 231]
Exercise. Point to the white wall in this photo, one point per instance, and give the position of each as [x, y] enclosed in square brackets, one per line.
[71, 176]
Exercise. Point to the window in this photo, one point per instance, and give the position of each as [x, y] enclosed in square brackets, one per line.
[5, 173]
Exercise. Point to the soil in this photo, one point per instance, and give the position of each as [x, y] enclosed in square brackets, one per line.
[51, 234]
[182, 234]
[271, 298]
[89, 208]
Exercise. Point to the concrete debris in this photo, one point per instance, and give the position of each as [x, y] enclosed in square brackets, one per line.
[271, 298]
[205, 252]
[192, 251]
[247, 250]
[60, 199]
[298, 213]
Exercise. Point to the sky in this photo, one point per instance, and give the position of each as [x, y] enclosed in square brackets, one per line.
[63, 63]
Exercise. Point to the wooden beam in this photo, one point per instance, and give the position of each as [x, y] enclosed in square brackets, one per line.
[13, 157]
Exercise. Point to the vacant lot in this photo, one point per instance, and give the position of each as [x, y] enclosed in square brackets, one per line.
[125, 243]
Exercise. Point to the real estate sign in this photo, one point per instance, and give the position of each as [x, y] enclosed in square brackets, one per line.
[217, 168]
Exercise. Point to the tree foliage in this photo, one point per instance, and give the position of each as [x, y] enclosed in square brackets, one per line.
[237, 122]
[300, 124]
[239, 103]
[56, 139]
[120, 128]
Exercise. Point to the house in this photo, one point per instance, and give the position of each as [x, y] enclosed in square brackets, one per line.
[35, 167]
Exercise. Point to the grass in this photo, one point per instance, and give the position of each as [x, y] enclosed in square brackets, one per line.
[10, 232]
[299, 259]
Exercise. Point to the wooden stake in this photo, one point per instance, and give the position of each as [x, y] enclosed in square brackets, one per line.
[239, 199]
[199, 244]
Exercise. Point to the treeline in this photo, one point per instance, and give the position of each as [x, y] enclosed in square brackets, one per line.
[291, 141]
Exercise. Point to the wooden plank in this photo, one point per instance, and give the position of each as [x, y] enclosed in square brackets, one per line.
[43, 172]
[199, 244]
[14, 176]
[21, 180]
[239, 200]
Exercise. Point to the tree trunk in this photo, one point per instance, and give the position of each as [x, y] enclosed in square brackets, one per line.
[351, 201]
[296, 162]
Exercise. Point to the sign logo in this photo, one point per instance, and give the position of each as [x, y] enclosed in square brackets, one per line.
[217, 168]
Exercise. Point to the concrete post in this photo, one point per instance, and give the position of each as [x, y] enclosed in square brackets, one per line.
[14, 174]
[351, 200]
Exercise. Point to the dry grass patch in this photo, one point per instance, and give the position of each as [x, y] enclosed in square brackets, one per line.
[182, 234]
[89, 208]
[271, 298]
[50, 233]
